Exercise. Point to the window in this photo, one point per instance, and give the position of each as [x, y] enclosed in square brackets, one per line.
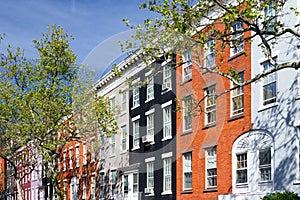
[150, 175]
[210, 54]
[237, 38]
[269, 85]
[112, 144]
[150, 124]
[167, 123]
[167, 77]
[136, 133]
[93, 188]
[65, 189]
[65, 160]
[77, 156]
[265, 164]
[135, 183]
[150, 88]
[101, 185]
[187, 66]
[113, 181]
[187, 113]
[123, 139]
[241, 169]
[237, 97]
[211, 167]
[210, 104]
[113, 105]
[125, 184]
[167, 178]
[123, 101]
[136, 97]
[102, 147]
[92, 147]
[84, 188]
[270, 17]
[84, 153]
[187, 171]
[71, 158]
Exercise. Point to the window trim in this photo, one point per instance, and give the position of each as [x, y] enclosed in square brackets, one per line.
[207, 158]
[233, 48]
[184, 114]
[213, 106]
[184, 170]
[210, 49]
[187, 60]
[232, 114]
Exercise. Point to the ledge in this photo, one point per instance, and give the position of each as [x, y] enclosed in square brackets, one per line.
[186, 81]
[265, 107]
[212, 189]
[235, 117]
[209, 125]
[236, 55]
[187, 191]
[186, 132]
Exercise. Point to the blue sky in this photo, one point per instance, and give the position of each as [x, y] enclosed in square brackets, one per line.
[95, 24]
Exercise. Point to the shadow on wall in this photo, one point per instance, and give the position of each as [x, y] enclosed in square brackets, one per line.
[279, 120]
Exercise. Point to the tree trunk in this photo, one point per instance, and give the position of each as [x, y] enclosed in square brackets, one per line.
[19, 190]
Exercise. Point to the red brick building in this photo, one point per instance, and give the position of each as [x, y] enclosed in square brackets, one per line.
[208, 124]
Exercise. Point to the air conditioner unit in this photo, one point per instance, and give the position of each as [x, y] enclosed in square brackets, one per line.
[148, 190]
[166, 85]
[148, 138]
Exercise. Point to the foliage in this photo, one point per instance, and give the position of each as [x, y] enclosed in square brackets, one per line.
[281, 196]
[186, 24]
[40, 99]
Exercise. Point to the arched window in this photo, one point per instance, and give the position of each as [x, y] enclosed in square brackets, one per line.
[252, 156]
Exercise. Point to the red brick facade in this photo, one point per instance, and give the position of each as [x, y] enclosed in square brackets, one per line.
[220, 134]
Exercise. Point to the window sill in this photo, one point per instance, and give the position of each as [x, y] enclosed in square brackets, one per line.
[186, 81]
[264, 182]
[265, 107]
[112, 156]
[187, 191]
[165, 91]
[166, 138]
[213, 124]
[233, 56]
[242, 185]
[296, 182]
[235, 117]
[122, 113]
[134, 107]
[166, 193]
[150, 99]
[211, 189]
[135, 148]
[123, 152]
[186, 132]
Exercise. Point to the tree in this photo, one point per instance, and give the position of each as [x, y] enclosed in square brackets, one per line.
[183, 24]
[38, 100]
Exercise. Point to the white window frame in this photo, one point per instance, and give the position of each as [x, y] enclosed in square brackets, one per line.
[92, 148]
[150, 175]
[167, 175]
[113, 105]
[136, 132]
[77, 154]
[84, 188]
[150, 123]
[123, 101]
[150, 88]
[187, 170]
[102, 146]
[241, 165]
[65, 160]
[210, 105]
[167, 122]
[265, 169]
[187, 113]
[237, 95]
[101, 185]
[71, 158]
[167, 77]
[210, 54]
[135, 184]
[268, 80]
[93, 188]
[187, 66]
[112, 144]
[237, 48]
[270, 17]
[135, 94]
[123, 138]
[84, 153]
[113, 181]
[211, 166]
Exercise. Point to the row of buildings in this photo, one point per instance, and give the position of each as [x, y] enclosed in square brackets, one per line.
[178, 140]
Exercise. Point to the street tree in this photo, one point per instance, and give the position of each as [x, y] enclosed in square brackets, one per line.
[38, 101]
